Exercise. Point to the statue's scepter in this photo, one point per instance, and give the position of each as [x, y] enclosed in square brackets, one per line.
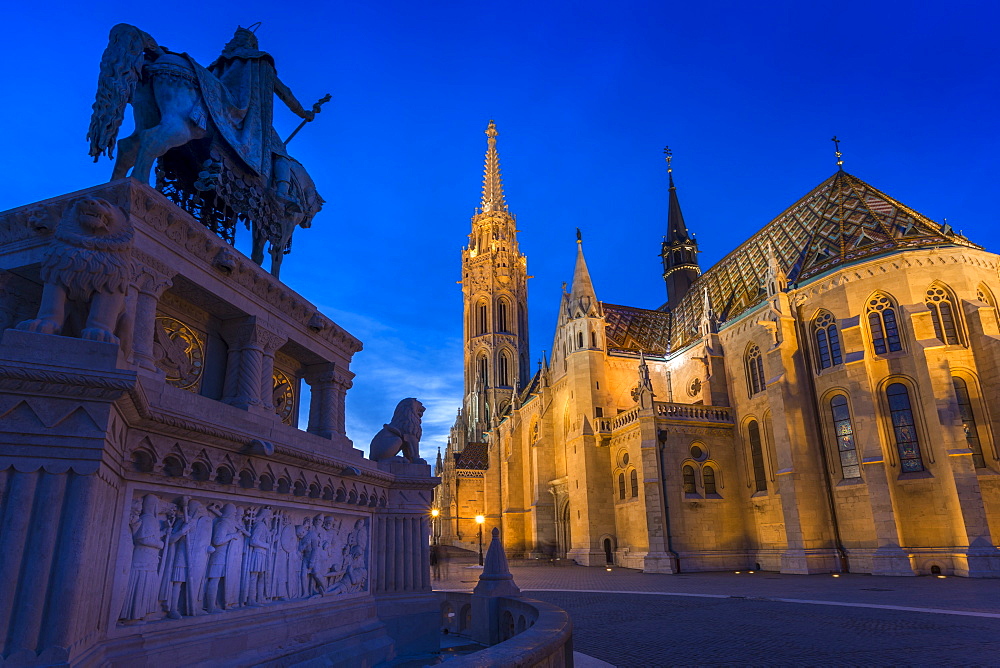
[316, 109]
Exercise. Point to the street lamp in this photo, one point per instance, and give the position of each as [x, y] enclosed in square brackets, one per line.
[434, 520]
[479, 520]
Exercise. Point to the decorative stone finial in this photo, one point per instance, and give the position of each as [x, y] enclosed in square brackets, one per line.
[496, 579]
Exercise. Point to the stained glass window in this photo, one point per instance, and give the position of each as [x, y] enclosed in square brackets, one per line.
[904, 428]
[883, 325]
[708, 480]
[687, 473]
[943, 315]
[844, 432]
[754, 364]
[827, 340]
[757, 456]
[969, 421]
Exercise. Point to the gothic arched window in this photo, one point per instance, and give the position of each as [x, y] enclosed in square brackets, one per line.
[983, 294]
[754, 364]
[503, 370]
[634, 479]
[904, 428]
[621, 486]
[883, 325]
[483, 319]
[969, 421]
[844, 433]
[579, 339]
[942, 307]
[502, 309]
[482, 371]
[708, 480]
[827, 340]
[757, 456]
[687, 475]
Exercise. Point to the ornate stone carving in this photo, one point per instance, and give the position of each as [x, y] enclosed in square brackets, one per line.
[88, 260]
[283, 396]
[191, 556]
[179, 352]
[401, 435]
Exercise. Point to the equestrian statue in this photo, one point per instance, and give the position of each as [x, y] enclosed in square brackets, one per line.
[209, 133]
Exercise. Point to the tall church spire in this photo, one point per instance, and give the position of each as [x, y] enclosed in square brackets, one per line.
[495, 290]
[493, 199]
[680, 249]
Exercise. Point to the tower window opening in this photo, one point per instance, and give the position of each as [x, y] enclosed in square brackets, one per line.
[483, 319]
[634, 480]
[579, 340]
[502, 325]
[621, 486]
[483, 372]
[503, 370]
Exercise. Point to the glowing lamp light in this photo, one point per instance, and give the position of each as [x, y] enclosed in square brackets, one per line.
[942, 577]
[480, 519]
[435, 512]
[750, 572]
[737, 572]
[836, 575]
[608, 569]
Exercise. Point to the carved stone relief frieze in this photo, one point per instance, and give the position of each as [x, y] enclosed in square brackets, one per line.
[187, 556]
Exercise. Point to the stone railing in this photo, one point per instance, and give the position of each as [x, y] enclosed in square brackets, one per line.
[531, 633]
[628, 417]
[603, 425]
[693, 412]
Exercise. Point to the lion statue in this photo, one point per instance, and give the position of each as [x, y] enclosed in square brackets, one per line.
[401, 435]
[88, 261]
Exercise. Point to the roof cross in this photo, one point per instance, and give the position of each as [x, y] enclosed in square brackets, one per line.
[840, 158]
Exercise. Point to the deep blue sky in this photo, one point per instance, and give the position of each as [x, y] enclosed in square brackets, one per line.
[585, 95]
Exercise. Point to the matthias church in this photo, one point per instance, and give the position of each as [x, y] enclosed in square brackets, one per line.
[816, 401]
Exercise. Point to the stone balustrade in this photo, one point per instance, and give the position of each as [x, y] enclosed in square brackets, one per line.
[693, 412]
[626, 418]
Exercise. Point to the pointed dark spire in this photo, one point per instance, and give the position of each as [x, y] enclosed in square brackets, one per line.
[680, 249]
[493, 199]
[677, 231]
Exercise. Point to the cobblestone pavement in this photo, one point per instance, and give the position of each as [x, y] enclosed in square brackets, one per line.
[629, 618]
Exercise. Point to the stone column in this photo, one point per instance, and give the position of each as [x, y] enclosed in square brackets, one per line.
[151, 280]
[245, 371]
[329, 385]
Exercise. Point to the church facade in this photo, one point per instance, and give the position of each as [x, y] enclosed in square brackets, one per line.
[814, 402]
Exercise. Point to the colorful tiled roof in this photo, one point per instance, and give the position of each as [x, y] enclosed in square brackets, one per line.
[841, 221]
[475, 457]
[629, 330]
